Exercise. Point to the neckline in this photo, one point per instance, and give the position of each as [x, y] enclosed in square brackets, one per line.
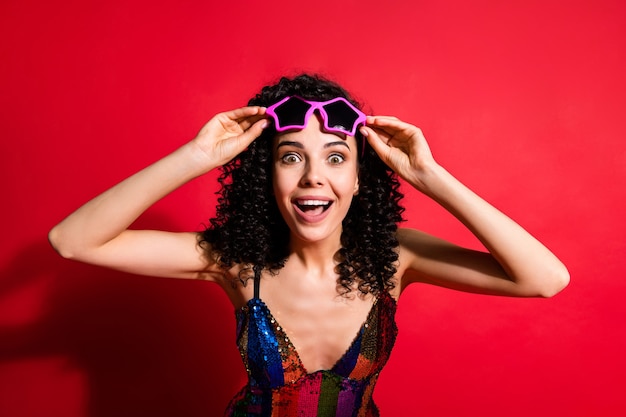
[282, 333]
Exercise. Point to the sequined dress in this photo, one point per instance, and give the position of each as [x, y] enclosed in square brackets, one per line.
[279, 385]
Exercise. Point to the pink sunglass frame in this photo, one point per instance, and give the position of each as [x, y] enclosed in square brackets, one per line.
[317, 105]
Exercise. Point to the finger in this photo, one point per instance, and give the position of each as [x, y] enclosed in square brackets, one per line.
[257, 113]
[380, 117]
[376, 142]
[392, 125]
[387, 131]
[239, 115]
[242, 118]
[243, 112]
[253, 132]
[249, 121]
[386, 121]
[387, 124]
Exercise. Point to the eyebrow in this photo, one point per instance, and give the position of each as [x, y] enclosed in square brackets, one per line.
[299, 145]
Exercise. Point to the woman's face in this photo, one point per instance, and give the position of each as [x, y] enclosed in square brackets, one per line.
[314, 179]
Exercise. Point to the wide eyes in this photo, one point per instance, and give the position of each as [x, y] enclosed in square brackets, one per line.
[291, 158]
[294, 158]
[336, 158]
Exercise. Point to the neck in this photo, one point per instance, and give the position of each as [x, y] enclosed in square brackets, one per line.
[316, 257]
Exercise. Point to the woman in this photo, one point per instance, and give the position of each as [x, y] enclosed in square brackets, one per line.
[308, 212]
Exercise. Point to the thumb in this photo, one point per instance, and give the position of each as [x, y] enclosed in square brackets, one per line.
[253, 132]
[376, 142]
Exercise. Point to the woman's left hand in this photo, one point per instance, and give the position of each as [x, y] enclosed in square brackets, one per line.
[401, 146]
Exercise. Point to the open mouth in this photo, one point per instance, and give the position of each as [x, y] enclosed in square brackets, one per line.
[313, 207]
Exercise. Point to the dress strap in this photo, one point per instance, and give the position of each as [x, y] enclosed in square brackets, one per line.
[257, 282]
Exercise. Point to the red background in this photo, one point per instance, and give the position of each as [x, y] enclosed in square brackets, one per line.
[524, 101]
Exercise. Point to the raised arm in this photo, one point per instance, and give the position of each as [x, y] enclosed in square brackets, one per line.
[97, 233]
[516, 264]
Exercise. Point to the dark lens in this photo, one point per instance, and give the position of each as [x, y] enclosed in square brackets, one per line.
[292, 112]
[340, 115]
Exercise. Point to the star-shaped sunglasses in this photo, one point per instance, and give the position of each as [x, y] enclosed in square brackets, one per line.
[338, 114]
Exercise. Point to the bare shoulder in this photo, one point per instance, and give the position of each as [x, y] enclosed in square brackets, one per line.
[412, 250]
[413, 245]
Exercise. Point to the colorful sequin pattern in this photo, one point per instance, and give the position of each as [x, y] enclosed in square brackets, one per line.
[278, 383]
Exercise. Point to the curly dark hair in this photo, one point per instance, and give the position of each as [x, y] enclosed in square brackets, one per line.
[249, 230]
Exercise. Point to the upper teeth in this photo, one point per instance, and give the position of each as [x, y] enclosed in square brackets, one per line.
[313, 202]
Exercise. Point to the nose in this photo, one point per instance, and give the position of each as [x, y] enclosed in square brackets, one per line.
[312, 175]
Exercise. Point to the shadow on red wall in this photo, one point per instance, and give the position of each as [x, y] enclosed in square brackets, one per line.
[144, 346]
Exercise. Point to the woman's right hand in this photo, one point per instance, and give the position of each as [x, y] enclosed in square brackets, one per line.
[229, 133]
